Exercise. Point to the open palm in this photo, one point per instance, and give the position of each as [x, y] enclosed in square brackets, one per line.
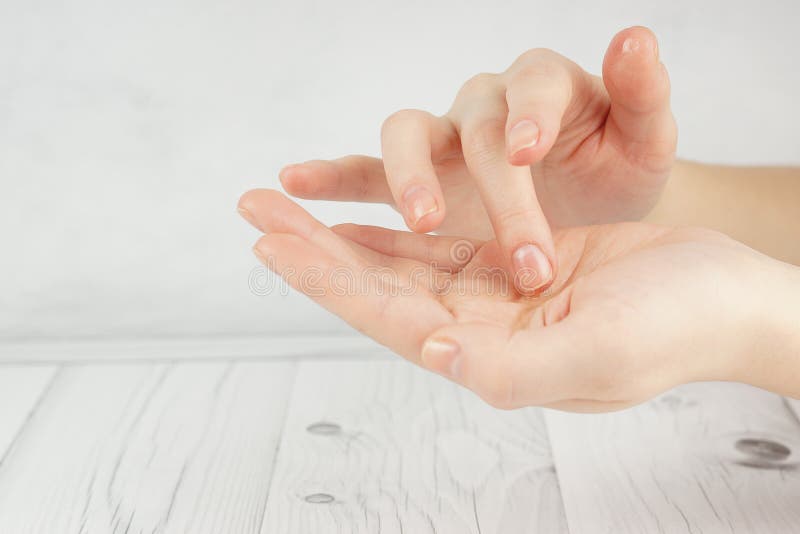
[626, 318]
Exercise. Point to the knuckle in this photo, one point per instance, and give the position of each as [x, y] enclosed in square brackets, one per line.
[479, 83]
[540, 71]
[480, 87]
[402, 118]
[536, 56]
[541, 64]
[555, 78]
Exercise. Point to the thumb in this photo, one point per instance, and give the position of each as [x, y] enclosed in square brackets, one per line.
[639, 89]
[536, 366]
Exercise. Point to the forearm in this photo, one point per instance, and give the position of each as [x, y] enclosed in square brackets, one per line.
[759, 206]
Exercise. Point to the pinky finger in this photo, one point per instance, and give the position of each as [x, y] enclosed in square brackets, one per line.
[342, 287]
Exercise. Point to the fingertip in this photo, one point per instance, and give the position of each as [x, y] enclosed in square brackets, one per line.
[298, 181]
[633, 72]
[528, 156]
[441, 353]
[474, 355]
[285, 172]
[534, 270]
[523, 157]
[450, 342]
[245, 201]
[245, 209]
[252, 204]
[527, 140]
[423, 209]
[636, 42]
[633, 51]
[263, 249]
[256, 199]
[272, 211]
[249, 217]
[528, 249]
[284, 254]
[428, 223]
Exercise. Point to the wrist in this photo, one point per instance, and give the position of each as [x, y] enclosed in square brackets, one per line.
[773, 356]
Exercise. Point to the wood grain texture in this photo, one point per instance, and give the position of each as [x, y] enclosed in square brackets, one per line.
[384, 447]
[21, 389]
[147, 448]
[712, 457]
[219, 348]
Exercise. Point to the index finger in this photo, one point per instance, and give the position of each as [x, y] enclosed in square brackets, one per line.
[507, 190]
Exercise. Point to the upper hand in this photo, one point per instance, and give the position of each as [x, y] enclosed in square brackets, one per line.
[542, 144]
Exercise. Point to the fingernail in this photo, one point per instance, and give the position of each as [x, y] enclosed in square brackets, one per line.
[247, 216]
[532, 269]
[442, 355]
[524, 134]
[632, 45]
[419, 203]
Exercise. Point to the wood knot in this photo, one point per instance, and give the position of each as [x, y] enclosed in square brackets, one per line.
[324, 428]
[319, 498]
[762, 452]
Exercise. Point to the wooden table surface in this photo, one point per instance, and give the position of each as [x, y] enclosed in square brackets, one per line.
[334, 435]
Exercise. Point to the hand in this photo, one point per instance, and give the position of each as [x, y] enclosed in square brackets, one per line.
[635, 309]
[542, 142]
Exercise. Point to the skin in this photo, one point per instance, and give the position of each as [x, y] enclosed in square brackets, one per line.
[754, 205]
[603, 152]
[626, 318]
[617, 312]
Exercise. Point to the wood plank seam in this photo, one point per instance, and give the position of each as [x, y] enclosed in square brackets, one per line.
[276, 452]
[39, 399]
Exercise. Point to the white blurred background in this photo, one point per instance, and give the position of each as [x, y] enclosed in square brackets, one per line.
[128, 130]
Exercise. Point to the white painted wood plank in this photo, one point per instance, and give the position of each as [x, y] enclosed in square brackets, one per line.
[20, 390]
[274, 347]
[386, 447]
[708, 457]
[148, 448]
[794, 405]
